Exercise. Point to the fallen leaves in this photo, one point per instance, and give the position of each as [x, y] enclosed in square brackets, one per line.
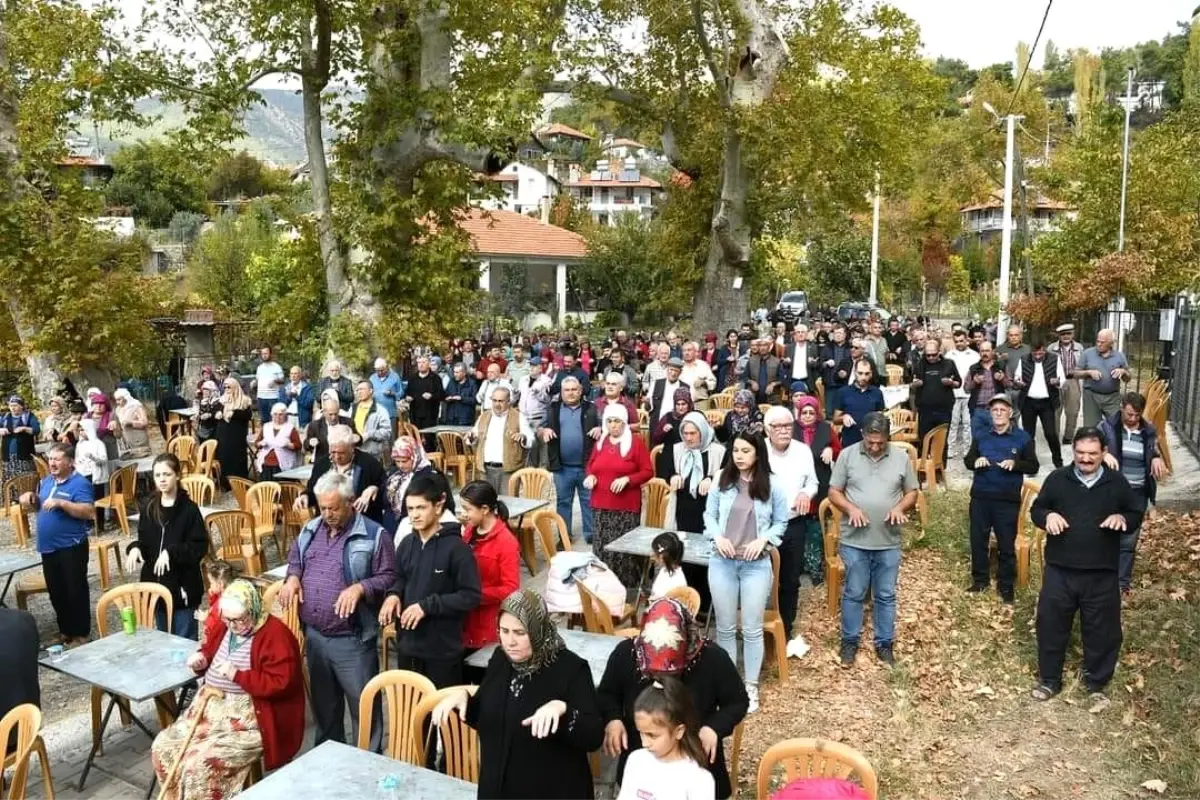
[1155, 785]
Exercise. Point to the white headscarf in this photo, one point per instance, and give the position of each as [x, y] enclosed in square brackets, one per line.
[690, 463]
[131, 402]
[617, 411]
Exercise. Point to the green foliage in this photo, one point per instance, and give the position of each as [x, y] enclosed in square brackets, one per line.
[840, 263]
[185, 226]
[958, 282]
[286, 285]
[219, 261]
[959, 78]
[1191, 68]
[157, 179]
[242, 176]
[348, 335]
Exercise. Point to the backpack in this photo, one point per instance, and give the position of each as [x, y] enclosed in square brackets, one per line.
[565, 568]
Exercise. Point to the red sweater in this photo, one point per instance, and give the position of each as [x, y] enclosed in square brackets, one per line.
[275, 685]
[607, 464]
[498, 558]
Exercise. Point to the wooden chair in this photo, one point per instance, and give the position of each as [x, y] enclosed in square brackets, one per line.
[184, 448]
[240, 488]
[931, 464]
[904, 424]
[290, 616]
[716, 416]
[773, 623]
[122, 492]
[820, 394]
[835, 570]
[177, 425]
[722, 401]
[144, 599]
[408, 429]
[815, 758]
[735, 754]
[1029, 535]
[457, 456]
[24, 724]
[643, 419]
[238, 542]
[17, 514]
[552, 532]
[206, 459]
[922, 498]
[387, 640]
[596, 615]
[460, 742]
[688, 596]
[403, 692]
[291, 520]
[28, 586]
[201, 488]
[437, 459]
[895, 374]
[42, 467]
[763, 408]
[533, 483]
[655, 452]
[262, 500]
[656, 496]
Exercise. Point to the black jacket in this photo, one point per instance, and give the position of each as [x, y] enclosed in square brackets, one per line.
[422, 412]
[998, 375]
[840, 355]
[717, 691]
[442, 577]
[822, 439]
[590, 420]
[512, 763]
[368, 472]
[932, 394]
[898, 347]
[183, 535]
[19, 666]
[1084, 544]
[1024, 376]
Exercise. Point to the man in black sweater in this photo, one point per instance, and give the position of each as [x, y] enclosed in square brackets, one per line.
[1084, 507]
[934, 380]
[19, 666]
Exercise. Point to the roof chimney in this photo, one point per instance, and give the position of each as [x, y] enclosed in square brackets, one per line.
[573, 173]
[544, 204]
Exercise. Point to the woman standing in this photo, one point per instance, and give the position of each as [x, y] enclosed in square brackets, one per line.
[233, 430]
[535, 711]
[135, 425]
[108, 428]
[690, 467]
[254, 659]
[171, 542]
[744, 515]
[408, 461]
[278, 444]
[60, 425]
[497, 555]
[727, 360]
[316, 437]
[615, 472]
[666, 432]
[208, 411]
[744, 417]
[672, 644]
[823, 440]
[19, 429]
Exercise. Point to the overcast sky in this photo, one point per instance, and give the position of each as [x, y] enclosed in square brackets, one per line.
[987, 33]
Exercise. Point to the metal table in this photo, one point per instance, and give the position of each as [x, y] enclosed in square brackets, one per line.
[12, 562]
[301, 473]
[136, 668]
[595, 648]
[333, 771]
[434, 430]
[697, 549]
[275, 573]
[144, 465]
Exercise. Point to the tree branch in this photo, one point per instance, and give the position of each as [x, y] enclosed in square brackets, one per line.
[719, 79]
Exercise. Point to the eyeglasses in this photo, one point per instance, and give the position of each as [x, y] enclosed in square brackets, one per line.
[781, 426]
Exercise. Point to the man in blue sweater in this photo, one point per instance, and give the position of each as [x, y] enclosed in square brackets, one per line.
[1000, 457]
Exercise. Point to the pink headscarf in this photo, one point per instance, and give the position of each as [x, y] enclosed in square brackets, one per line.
[802, 401]
[821, 789]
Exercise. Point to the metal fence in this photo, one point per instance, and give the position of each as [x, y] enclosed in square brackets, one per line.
[1142, 336]
[1185, 374]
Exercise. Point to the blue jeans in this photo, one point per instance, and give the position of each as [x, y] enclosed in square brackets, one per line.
[264, 409]
[183, 621]
[869, 569]
[567, 481]
[730, 581]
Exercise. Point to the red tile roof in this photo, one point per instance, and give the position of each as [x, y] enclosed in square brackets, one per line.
[506, 233]
[625, 143]
[558, 129]
[586, 180]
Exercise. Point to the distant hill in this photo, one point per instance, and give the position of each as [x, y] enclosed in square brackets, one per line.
[274, 129]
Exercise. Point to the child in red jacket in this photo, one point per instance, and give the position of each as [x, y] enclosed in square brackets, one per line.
[497, 555]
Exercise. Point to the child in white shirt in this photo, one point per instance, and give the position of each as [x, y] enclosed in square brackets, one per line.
[668, 767]
[667, 552]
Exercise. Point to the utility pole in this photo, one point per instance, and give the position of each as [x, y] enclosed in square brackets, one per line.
[1026, 266]
[874, 294]
[1006, 233]
[1118, 305]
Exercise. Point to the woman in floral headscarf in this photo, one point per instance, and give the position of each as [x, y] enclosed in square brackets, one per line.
[820, 437]
[19, 429]
[208, 411]
[744, 416]
[535, 711]
[666, 432]
[408, 461]
[671, 643]
[254, 659]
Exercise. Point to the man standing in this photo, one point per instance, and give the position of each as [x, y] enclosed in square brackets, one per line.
[1009, 356]
[1131, 448]
[1103, 369]
[897, 343]
[500, 438]
[494, 380]
[656, 370]
[801, 362]
[65, 515]
[1038, 377]
[460, 402]
[298, 394]
[856, 401]
[339, 569]
[568, 442]
[697, 375]
[372, 424]
[1068, 352]
[835, 367]
[874, 486]
[934, 384]
[339, 383]
[618, 364]
[877, 346]
[614, 386]
[387, 388]
[662, 395]
[368, 481]
[985, 380]
[518, 368]
[1084, 509]
[960, 418]
[424, 392]
[267, 380]
[571, 368]
[1000, 458]
[762, 371]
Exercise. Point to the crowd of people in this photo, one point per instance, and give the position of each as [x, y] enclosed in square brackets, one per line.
[393, 544]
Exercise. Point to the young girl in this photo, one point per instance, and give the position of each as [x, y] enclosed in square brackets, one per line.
[668, 556]
[496, 554]
[219, 574]
[669, 765]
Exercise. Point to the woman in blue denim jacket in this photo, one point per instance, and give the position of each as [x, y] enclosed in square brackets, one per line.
[745, 513]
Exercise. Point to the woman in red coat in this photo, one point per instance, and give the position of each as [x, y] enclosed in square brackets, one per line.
[616, 470]
[254, 660]
[498, 558]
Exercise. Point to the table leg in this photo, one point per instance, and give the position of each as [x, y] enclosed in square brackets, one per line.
[87, 765]
[3, 594]
[528, 553]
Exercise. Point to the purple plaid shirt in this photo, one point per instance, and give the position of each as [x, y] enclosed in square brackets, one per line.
[321, 578]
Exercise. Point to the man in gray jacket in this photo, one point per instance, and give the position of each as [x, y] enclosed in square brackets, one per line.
[1068, 352]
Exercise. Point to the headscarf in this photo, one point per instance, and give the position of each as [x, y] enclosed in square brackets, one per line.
[617, 411]
[405, 446]
[234, 400]
[102, 399]
[209, 386]
[530, 609]
[750, 421]
[63, 412]
[802, 401]
[242, 594]
[132, 404]
[89, 397]
[670, 639]
[690, 462]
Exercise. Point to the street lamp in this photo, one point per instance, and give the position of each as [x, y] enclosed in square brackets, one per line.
[874, 295]
[1005, 233]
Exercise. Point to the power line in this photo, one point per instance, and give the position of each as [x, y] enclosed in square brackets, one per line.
[1028, 61]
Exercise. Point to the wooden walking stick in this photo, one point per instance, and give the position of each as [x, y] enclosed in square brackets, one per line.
[207, 693]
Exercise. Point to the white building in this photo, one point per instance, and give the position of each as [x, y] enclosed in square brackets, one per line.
[621, 149]
[986, 220]
[607, 194]
[523, 190]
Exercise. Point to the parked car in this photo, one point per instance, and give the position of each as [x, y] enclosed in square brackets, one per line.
[792, 307]
[849, 312]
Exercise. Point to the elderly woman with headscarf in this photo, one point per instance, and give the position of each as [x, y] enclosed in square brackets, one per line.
[208, 411]
[535, 711]
[408, 461]
[60, 425]
[316, 436]
[19, 429]
[690, 466]
[277, 443]
[135, 425]
[820, 437]
[666, 431]
[233, 431]
[617, 468]
[254, 660]
[108, 427]
[744, 416]
[206, 376]
[672, 644]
